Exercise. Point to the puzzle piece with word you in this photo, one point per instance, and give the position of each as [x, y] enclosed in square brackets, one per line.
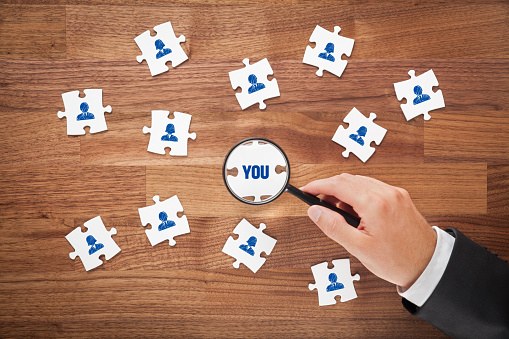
[249, 245]
[333, 282]
[173, 133]
[326, 55]
[87, 111]
[256, 170]
[253, 81]
[163, 218]
[358, 136]
[419, 94]
[96, 241]
[161, 48]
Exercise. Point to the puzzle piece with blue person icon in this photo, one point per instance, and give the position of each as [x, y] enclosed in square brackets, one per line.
[332, 282]
[162, 216]
[253, 81]
[420, 98]
[172, 133]
[251, 242]
[159, 49]
[93, 243]
[361, 132]
[326, 55]
[82, 112]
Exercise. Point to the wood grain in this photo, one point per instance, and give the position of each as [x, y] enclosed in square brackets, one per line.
[455, 166]
[382, 31]
[32, 32]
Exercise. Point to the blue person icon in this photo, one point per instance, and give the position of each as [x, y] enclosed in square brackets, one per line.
[165, 222]
[334, 285]
[94, 245]
[161, 50]
[327, 55]
[169, 136]
[85, 114]
[248, 248]
[255, 85]
[361, 132]
[420, 97]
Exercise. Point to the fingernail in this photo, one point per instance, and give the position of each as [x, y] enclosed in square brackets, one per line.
[314, 213]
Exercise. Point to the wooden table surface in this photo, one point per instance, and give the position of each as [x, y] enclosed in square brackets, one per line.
[455, 166]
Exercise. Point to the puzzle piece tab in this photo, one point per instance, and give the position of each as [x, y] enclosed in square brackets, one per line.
[160, 49]
[255, 86]
[326, 55]
[163, 218]
[358, 136]
[264, 181]
[419, 94]
[95, 242]
[87, 111]
[333, 282]
[249, 245]
[172, 133]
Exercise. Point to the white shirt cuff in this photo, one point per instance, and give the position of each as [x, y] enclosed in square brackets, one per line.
[424, 286]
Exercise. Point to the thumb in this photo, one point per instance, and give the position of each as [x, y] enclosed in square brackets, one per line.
[334, 226]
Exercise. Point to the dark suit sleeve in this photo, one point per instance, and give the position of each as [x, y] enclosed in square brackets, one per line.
[472, 298]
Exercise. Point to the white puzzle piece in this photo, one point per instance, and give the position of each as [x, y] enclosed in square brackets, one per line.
[161, 48]
[172, 133]
[256, 170]
[255, 86]
[96, 241]
[419, 94]
[333, 282]
[249, 245]
[326, 55]
[358, 136]
[163, 218]
[87, 111]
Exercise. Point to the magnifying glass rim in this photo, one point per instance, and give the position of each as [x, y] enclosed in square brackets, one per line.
[275, 196]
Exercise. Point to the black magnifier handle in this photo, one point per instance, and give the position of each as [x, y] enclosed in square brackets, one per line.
[312, 200]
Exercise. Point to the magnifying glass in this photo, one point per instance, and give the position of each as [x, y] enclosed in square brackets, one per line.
[256, 171]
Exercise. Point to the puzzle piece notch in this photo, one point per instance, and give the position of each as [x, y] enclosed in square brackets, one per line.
[243, 249]
[254, 83]
[160, 138]
[360, 133]
[419, 94]
[82, 112]
[93, 243]
[159, 49]
[164, 220]
[326, 55]
[335, 281]
[256, 154]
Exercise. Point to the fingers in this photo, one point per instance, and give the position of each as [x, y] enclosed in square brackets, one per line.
[335, 227]
[344, 187]
[338, 203]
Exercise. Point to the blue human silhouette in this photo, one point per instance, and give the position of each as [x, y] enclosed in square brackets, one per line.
[361, 132]
[327, 55]
[334, 285]
[255, 85]
[161, 50]
[169, 136]
[251, 242]
[94, 245]
[420, 97]
[165, 222]
[85, 114]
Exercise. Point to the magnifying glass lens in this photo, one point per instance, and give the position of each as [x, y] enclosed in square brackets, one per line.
[256, 171]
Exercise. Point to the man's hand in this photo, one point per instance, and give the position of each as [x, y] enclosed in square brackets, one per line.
[393, 240]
